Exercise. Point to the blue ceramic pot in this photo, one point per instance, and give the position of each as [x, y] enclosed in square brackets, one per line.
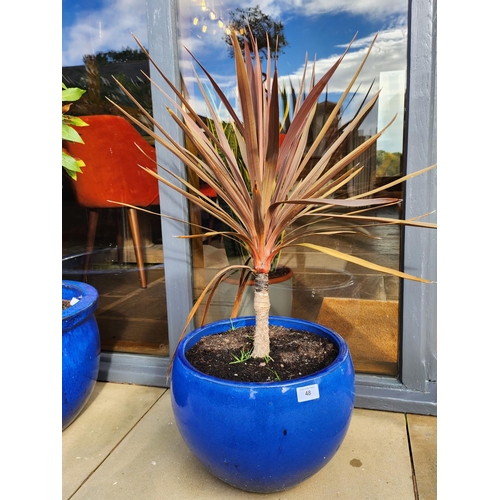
[81, 349]
[263, 437]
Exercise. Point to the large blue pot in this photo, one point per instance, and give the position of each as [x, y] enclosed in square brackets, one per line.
[81, 349]
[263, 437]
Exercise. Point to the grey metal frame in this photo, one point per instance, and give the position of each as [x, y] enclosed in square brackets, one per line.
[416, 390]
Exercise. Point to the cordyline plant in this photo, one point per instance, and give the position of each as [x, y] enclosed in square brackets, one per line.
[281, 191]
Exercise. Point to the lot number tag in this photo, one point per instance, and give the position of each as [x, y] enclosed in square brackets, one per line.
[307, 393]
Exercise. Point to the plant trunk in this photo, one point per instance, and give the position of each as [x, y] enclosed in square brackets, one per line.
[261, 346]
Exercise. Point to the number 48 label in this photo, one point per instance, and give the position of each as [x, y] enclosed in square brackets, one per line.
[307, 393]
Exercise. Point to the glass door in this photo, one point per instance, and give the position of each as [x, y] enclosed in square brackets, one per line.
[362, 305]
[99, 242]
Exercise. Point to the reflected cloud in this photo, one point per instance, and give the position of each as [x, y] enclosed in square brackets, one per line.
[371, 8]
[196, 100]
[108, 28]
[388, 53]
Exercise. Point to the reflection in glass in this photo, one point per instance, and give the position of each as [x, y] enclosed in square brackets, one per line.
[99, 243]
[324, 289]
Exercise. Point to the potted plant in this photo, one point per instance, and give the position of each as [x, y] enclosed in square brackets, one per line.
[246, 415]
[81, 345]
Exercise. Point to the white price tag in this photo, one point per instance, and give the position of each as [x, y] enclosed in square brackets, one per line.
[307, 393]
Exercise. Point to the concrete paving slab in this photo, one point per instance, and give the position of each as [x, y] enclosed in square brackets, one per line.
[153, 462]
[109, 415]
[423, 437]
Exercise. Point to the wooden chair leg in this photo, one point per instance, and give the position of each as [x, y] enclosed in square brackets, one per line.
[119, 221]
[92, 227]
[211, 221]
[134, 229]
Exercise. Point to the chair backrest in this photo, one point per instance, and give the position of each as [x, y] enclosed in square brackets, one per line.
[112, 162]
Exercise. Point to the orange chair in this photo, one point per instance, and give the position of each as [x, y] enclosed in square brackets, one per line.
[210, 192]
[111, 172]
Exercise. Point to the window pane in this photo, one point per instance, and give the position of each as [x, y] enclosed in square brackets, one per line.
[98, 47]
[362, 305]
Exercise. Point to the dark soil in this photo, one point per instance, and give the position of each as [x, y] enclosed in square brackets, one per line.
[293, 354]
[66, 304]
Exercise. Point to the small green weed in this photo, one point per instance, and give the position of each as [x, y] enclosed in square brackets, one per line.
[276, 375]
[244, 356]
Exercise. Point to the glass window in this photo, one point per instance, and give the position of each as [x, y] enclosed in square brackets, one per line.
[362, 305]
[99, 237]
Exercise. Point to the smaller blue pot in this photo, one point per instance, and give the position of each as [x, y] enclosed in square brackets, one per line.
[81, 348]
[263, 437]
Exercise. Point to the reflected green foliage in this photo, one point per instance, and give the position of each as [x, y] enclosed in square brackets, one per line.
[97, 75]
[71, 165]
[122, 56]
[388, 164]
[261, 26]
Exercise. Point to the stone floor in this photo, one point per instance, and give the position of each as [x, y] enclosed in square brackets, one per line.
[125, 445]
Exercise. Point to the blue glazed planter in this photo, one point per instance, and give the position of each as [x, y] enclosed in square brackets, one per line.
[263, 437]
[81, 349]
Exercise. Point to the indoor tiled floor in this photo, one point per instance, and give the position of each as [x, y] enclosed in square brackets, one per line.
[125, 445]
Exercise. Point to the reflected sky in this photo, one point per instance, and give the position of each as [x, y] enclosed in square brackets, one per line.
[320, 28]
